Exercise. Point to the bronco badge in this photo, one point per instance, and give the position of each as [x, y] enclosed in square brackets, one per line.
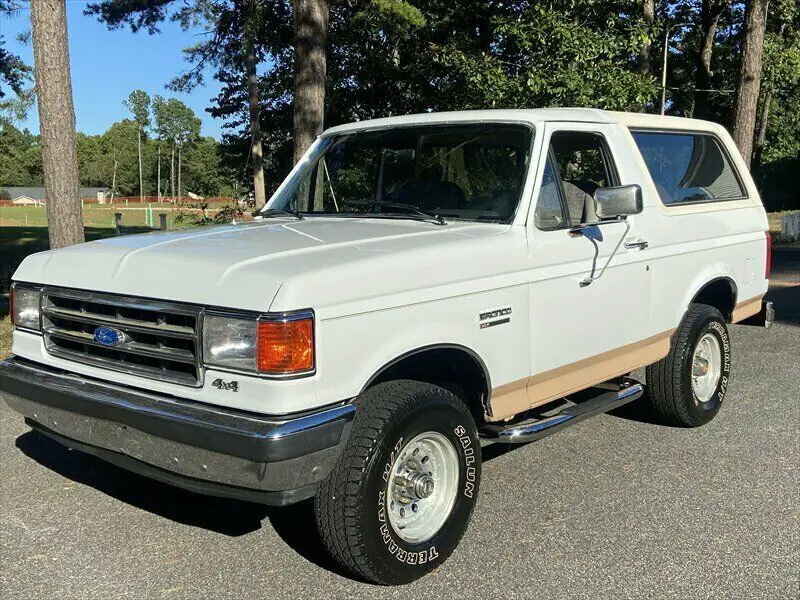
[490, 318]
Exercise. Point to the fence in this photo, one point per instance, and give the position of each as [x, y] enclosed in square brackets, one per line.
[164, 200]
[790, 227]
[162, 221]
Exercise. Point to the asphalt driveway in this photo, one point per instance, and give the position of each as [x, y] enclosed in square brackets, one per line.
[615, 507]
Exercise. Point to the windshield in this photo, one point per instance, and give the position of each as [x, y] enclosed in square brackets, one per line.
[471, 171]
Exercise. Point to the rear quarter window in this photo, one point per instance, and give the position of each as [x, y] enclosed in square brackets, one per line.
[688, 167]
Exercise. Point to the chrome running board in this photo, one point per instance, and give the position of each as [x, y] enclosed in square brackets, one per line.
[528, 431]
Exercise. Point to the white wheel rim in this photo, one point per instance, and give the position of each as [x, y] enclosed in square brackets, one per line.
[706, 367]
[421, 490]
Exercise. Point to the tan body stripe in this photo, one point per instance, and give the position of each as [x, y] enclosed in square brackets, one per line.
[515, 397]
[746, 309]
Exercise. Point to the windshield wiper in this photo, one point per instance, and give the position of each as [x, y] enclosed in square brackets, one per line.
[277, 212]
[420, 214]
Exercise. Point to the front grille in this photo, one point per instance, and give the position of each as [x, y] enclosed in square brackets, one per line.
[161, 339]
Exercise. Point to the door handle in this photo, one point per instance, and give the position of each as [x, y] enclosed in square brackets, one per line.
[640, 244]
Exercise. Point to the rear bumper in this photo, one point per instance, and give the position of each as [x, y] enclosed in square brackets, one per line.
[207, 449]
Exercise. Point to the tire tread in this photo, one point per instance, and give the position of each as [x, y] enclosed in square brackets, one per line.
[338, 504]
[664, 378]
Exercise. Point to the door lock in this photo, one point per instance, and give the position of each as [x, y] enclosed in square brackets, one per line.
[640, 244]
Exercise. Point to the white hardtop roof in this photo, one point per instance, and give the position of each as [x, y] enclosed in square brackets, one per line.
[532, 115]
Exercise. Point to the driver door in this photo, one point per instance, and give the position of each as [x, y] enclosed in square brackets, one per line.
[583, 333]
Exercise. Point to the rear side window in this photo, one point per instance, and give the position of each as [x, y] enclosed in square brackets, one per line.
[688, 167]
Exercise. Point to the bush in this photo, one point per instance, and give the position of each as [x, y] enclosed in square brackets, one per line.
[198, 216]
[779, 184]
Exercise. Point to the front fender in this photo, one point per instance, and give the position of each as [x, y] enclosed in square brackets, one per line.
[353, 349]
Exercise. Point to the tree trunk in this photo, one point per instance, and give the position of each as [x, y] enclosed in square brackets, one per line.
[172, 174]
[762, 136]
[180, 153]
[254, 104]
[763, 124]
[645, 52]
[56, 122]
[158, 184]
[744, 121]
[141, 179]
[114, 181]
[311, 18]
[709, 18]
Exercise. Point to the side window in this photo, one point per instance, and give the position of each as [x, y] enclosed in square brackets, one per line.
[578, 164]
[688, 167]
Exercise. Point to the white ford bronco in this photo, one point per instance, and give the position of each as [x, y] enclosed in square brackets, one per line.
[416, 284]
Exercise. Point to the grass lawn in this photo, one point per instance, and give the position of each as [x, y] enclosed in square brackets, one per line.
[94, 215]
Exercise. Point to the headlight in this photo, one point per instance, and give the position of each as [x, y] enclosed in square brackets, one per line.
[279, 344]
[25, 304]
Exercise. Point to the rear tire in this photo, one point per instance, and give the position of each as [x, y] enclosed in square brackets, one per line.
[687, 387]
[399, 499]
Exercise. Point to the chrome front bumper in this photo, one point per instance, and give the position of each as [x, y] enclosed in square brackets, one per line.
[212, 450]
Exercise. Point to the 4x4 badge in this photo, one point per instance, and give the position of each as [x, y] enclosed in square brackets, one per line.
[230, 386]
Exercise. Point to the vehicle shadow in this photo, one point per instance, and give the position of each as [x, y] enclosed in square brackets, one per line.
[222, 515]
[293, 524]
[786, 299]
[497, 449]
[633, 411]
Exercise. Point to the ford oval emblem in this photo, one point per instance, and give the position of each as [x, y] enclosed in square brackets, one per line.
[108, 336]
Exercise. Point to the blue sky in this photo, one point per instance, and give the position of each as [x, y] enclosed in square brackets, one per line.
[108, 65]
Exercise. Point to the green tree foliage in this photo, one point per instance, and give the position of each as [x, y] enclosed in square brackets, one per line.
[235, 30]
[388, 57]
[777, 157]
[20, 157]
[175, 123]
[118, 144]
[779, 151]
[202, 173]
[13, 72]
[112, 158]
[93, 161]
[576, 54]
[15, 75]
[138, 103]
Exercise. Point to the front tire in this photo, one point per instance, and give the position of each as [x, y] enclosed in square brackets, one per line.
[399, 499]
[687, 387]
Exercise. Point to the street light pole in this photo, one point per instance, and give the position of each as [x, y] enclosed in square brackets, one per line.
[664, 67]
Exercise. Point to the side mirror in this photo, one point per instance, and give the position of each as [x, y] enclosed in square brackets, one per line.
[619, 201]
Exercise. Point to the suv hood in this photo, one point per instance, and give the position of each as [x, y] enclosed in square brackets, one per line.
[237, 266]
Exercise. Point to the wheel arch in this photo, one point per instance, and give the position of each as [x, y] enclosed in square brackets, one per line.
[720, 292]
[452, 366]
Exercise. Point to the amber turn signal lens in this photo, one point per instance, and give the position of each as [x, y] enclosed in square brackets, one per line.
[285, 346]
